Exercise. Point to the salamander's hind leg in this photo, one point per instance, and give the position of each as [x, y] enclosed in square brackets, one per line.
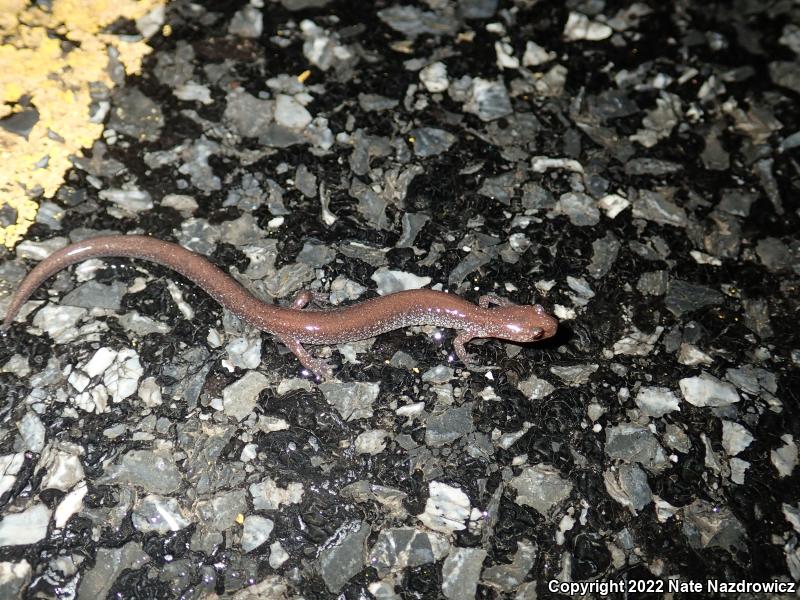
[318, 366]
[487, 300]
[458, 344]
[304, 297]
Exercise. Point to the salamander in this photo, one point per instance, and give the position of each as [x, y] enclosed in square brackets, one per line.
[492, 317]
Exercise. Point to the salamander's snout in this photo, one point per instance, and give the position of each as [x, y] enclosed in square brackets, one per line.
[524, 323]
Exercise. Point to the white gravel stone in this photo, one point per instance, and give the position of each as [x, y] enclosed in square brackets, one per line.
[447, 508]
[160, 514]
[613, 204]
[580, 27]
[14, 578]
[60, 322]
[128, 200]
[40, 250]
[542, 164]
[193, 92]
[64, 470]
[150, 392]
[26, 527]
[32, 431]
[664, 510]
[637, 343]
[461, 571]
[10, 464]
[627, 484]
[122, 377]
[239, 398]
[244, 351]
[352, 400]
[707, 390]
[657, 401]
[434, 77]
[541, 487]
[268, 496]
[505, 56]
[566, 524]
[277, 555]
[792, 515]
[18, 365]
[738, 469]
[290, 113]
[488, 100]
[248, 21]
[269, 424]
[535, 388]
[735, 437]
[256, 531]
[70, 504]
[785, 458]
[95, 400]
[535, 55]
[691, 355]
[403, 547]
[371, 442]
[396, 281]
[78, 380]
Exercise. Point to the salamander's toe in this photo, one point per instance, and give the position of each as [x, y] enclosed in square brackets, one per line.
[321, 369]
[469, 359]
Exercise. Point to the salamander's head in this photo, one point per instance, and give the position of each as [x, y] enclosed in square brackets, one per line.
[522, 323]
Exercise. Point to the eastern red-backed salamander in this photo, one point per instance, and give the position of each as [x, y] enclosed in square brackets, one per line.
[494, 317]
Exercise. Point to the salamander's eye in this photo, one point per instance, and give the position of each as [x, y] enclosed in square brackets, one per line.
[539, 309]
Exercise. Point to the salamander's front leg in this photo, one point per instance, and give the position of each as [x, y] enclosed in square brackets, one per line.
[487, 300]
[318, 366]
[458, 344]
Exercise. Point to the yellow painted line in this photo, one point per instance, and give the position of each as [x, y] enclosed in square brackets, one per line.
[47, 63]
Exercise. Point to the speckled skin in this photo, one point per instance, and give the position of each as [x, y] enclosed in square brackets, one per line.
[297, 325]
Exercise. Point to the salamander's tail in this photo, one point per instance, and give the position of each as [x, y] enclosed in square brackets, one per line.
[218, 284]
